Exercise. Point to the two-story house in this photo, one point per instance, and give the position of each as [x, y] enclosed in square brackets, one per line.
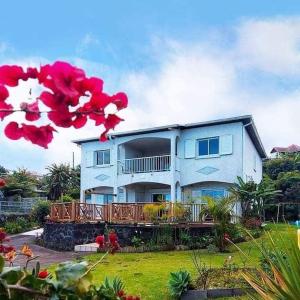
[172, 163]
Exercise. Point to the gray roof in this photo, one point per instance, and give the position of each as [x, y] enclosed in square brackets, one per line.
[246, 120]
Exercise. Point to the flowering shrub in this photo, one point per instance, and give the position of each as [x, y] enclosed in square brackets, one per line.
[70, 96]
[72, 280]
[252, 223]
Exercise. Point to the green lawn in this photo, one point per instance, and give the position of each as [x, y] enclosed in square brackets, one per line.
[146, 274]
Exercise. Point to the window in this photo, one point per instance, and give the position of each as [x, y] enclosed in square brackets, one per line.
[213, 193]
[161, 197]
[102, 157]
[209, 146]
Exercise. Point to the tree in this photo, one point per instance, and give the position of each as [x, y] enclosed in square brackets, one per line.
[20, 182]
[3, 171]
[58, 180]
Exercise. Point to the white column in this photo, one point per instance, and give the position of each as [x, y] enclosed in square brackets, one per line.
[173, 168]
[115, 194]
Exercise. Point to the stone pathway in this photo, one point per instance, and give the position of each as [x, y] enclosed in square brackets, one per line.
[46, 256]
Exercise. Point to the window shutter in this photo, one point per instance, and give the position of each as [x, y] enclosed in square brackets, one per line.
[89, 159]
[189, 148]
[226, 144]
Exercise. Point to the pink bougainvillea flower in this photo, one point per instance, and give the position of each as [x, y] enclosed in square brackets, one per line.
[112, 121]
[10, 75]
[13, 131]
[120, 100]
[7, 110]
[66, 77]
[2, 184]
[93, 85]
[32, 110]
[3, 93]
[79, 121]
[61, 117]
[40, 136]
[31, 73]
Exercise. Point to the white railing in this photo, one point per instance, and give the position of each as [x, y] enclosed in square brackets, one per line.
[145, 164]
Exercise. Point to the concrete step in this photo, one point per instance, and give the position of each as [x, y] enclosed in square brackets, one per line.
[92, 247]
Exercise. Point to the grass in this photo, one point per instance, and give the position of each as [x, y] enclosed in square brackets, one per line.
[147, 274]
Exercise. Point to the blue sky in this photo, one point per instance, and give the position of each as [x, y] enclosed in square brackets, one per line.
[184, 61]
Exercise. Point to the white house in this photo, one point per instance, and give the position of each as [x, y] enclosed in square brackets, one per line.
[174, 162]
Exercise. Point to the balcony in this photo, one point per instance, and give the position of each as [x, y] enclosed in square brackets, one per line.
[149, 164]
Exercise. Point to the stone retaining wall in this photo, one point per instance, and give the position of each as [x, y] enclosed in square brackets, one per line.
[64, 236]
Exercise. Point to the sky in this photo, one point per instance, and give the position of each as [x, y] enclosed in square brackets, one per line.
[179, 61]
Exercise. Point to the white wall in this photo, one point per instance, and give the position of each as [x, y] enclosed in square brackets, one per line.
[252, 162]
[228, 167]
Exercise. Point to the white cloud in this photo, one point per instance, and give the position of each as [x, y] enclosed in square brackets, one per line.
[270, 45]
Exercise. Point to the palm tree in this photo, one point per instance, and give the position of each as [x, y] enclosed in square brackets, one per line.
[221, 210]
[58, 180]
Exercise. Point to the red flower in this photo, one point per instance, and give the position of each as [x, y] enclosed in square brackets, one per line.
[32, 110]
[7, 249]
[113, 241]
[3, 93]
[65, 78]
[12, 131]
[3, 235]
[40, 136]
[100, 240]
[112, 121]
[2, 184]
[120, 100]
[7, 107]
[226, 236]
[121, 293]
[31, 73]
[79, 121]
[113, 238]
[10, 75]
[43, 274]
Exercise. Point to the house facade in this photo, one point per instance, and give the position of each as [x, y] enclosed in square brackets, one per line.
[171, 163]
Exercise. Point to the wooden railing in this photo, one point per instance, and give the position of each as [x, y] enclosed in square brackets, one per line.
[127, 212]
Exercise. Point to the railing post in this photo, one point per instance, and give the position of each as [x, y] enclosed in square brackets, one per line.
[73, 211]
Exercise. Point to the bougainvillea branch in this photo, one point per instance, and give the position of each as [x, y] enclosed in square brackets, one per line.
[71, 97]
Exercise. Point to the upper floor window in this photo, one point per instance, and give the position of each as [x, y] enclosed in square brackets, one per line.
[208, 146]
[102, 157]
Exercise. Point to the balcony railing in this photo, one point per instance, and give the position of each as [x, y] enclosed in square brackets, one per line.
[145, 164]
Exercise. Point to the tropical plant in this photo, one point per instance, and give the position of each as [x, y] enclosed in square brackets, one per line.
[179, 283]
[155, 212]
[40, 210]
[221, 210]
[252, 196]
[283, 283]
[58, 180]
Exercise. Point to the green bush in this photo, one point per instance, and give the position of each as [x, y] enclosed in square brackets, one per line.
[20, 224]
[40, 211]
[12, 227]
[67, 198]
[179, 283]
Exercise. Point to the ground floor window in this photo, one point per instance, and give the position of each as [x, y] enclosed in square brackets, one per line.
[198, 194]
[160, 197]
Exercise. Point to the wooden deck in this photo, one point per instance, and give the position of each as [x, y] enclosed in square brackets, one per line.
[128, 213]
